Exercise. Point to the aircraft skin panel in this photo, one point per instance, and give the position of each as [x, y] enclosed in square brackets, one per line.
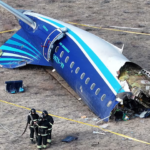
[90, 39]
[17, 52]
[113, 81]
[74, 80]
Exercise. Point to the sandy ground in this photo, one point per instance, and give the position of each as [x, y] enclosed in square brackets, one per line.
[44, 92]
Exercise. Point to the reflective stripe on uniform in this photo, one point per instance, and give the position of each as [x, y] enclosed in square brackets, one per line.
[44, 146]
[31, 138]
[34, 120]
[49, 141]
[50, 129]
[50, 123]
[39, 146]
[42, 134]
[42, 127]
[33, 126]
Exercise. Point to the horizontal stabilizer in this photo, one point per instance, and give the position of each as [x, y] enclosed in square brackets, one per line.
[19, 51]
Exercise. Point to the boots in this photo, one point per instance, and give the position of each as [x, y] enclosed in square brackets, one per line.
[32, 142]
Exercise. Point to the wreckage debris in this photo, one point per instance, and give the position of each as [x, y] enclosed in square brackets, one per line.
[68, 139]
[145, 114]
[120, 115]
[96, 132]
[104, 126]
[135, 102]
[14, 86]
[83, 117]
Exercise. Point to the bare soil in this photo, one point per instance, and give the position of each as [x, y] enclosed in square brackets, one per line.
[44, 92]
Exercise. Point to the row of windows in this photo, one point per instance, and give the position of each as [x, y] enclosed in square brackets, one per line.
[82, 76]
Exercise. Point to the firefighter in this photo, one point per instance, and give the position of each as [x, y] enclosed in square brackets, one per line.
[32, 118]
[43, 126]
[51, 122]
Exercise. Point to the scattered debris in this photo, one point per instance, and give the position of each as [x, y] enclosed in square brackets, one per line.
[145, 114]
[136, 100]
[53, 70]
[83, 117]
[95, 119]
[69, 139]
[96, 132]
[104, 126]
[14, 86]
[120, 115]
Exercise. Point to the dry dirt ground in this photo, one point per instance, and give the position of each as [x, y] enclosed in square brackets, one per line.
[44, 92]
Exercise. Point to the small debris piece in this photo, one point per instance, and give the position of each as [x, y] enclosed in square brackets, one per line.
[14, 86]
[79, 99]
[142, 115]
[83, 117]
[69, 139]
[104, 126]
[53, 70]
[95, 119]
[120, 115]
[96, 132]
[145, 114]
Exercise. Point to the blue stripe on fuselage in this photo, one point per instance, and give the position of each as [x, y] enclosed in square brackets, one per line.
[25, 41]
[19, 44]
[114, 83]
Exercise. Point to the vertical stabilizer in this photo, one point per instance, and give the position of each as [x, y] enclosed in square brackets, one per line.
[19, 15]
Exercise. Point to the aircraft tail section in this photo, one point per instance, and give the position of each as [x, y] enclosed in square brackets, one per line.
[19, 51]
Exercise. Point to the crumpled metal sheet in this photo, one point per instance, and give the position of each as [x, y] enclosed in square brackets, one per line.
[138, 82]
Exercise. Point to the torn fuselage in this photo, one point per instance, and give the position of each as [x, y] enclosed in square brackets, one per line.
[136, 82]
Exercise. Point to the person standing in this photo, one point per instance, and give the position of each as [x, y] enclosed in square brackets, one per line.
[32, 118]
[51, 122]
[43, 126]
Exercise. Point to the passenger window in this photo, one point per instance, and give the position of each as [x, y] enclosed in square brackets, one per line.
[103, 97]
[67, 58]
[72, 64]
[82, 76]
[109, 103]
[61, 54]
[97, 91]
[92, 86]
[87, 80]
[77, 70]
[56, 49]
